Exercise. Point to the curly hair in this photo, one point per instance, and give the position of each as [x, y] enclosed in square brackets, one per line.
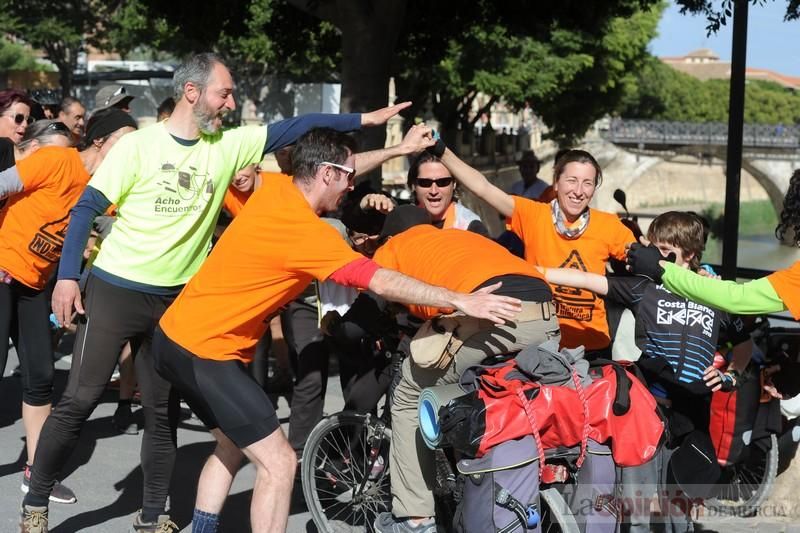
[790, 216]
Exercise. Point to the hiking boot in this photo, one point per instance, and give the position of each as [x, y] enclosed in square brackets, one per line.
[33, 519]
[124, 422]
[387, 523]
[162, 525]
[59, 494]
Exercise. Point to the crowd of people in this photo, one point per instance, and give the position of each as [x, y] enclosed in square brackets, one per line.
[117, 233]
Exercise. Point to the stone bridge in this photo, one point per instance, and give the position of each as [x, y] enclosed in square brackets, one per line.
[770, 152]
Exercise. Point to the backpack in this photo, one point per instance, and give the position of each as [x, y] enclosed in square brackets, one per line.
[501, 492]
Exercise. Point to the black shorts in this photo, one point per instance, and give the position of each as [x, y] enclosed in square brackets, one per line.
[222, 394]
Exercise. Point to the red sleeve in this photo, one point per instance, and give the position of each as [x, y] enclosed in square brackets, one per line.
[356, 274]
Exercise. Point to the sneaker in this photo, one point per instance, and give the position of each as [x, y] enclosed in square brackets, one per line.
[123, 421]
[59, 494]
[33, 519]
[162, 525]
[387, 523]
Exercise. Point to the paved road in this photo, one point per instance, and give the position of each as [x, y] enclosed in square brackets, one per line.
[105, 475]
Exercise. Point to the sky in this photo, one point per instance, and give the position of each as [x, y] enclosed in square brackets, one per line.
[771, 42]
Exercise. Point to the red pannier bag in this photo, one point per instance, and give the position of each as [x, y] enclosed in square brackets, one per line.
[616, 409]
[732, 421]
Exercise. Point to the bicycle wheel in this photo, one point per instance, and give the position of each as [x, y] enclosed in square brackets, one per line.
[345, 472]
[555, 516]
[745, 486]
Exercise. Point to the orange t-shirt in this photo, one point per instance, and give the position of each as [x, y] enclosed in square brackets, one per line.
[581, 313]
[234, 200]
[452, 258]
[267, 256]
[34, 222]
[787, 284]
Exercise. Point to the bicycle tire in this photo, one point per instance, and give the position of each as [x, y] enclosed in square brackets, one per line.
[333, 469]
[749, 482]
[555, 514]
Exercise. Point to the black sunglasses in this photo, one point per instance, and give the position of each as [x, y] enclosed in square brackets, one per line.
[426, 183]
[19, 118]
[59, 127]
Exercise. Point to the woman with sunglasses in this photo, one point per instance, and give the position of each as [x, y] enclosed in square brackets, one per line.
[566, 233]
[45, 183]
[434, 189]
[15, 114]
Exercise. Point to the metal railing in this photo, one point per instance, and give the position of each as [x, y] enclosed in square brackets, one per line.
[653, 132]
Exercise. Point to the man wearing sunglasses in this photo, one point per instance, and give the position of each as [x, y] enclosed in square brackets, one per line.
[168, 181]
[280, 245]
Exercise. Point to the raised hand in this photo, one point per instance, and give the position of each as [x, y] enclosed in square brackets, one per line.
[380, 116]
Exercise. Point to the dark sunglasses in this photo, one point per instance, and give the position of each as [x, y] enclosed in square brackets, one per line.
[427, 183]
[19, 118]
[59, 127]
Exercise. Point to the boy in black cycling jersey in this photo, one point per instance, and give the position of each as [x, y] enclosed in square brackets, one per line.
[678, 339]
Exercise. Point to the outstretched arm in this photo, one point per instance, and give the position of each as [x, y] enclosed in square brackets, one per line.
[398, 287]
[477, 183]
[286, 132]
[10, 183]
[571, 277]
[751, 298]
[416, 140]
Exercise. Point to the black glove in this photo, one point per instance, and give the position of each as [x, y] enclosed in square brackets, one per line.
[643, 261]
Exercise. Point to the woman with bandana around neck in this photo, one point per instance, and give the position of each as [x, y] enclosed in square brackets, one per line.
[566, 233]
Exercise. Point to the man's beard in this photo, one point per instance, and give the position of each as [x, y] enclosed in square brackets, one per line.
[205, 116]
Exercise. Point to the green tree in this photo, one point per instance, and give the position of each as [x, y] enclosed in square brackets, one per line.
[663, 93]
[14, 56]
[718, 12]
[62, 29]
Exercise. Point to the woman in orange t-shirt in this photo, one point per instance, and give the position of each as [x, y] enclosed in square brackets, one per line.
[565, 233]
[41, 188]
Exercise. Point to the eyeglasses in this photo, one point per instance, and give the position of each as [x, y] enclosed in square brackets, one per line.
[351, 172]
[427, 183]
[19, 118]
[359, 239]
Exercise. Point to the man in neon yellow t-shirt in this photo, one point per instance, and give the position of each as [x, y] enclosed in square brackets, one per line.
[168, 182]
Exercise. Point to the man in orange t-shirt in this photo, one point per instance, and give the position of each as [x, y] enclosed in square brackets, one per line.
[461, 261]
[269, 254]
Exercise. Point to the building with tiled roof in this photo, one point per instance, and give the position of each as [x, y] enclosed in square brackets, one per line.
[704, 64]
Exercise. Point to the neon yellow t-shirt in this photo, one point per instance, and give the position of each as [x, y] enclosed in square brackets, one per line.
[168, 197]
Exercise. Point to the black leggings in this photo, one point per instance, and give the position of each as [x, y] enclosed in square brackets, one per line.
[114, 316]
[24, 316]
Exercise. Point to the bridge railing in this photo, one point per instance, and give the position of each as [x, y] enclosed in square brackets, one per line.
[650, 132]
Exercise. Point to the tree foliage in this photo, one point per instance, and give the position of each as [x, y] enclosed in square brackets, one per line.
[718, 12]
[568, 61]
[663, 93]
[62, 29]
[14, 56]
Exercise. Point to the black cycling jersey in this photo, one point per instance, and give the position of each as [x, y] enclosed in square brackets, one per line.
[670, 328]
